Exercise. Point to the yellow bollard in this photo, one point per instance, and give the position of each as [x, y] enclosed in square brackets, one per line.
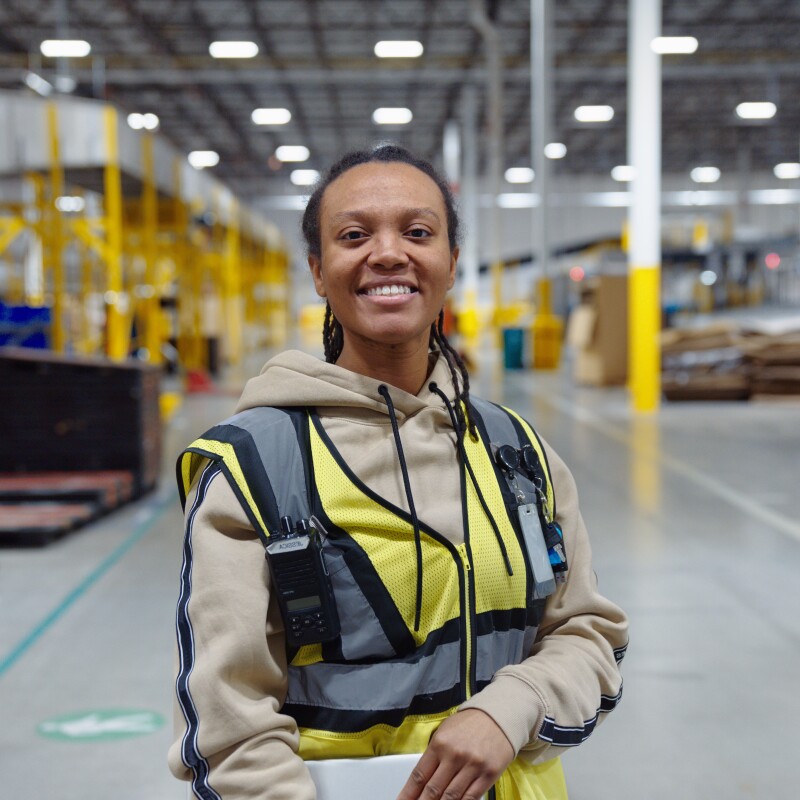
[547, 330]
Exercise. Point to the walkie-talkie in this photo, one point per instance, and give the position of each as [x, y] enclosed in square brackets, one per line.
[304, 590]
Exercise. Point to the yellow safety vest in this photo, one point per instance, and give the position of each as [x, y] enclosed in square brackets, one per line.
[381, 687]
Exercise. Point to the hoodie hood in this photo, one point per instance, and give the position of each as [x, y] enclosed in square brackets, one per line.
[294, 378]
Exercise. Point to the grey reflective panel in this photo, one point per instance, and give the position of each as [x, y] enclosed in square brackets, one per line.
[276, 441]
[362, 635]
[497, 650]
[368, 687]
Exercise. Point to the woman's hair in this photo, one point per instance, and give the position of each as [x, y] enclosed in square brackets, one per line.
[332, 334]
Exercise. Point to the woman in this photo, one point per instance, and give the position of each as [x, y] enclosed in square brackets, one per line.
[452, 636]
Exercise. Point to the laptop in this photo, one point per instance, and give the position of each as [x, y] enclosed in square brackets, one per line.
[378, 778]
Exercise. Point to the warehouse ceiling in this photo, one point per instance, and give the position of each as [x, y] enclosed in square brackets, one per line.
[316, 59]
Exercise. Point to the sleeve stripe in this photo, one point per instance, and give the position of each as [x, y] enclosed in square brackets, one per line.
[564, 736]
[189, 750]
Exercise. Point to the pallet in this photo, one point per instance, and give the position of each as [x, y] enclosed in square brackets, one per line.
[37, 524]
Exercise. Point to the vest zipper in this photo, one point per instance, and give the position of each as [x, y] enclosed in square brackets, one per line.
[469, 623]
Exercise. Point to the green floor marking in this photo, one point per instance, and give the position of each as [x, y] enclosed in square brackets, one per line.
[102, 725]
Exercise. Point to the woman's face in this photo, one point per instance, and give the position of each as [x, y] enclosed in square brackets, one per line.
[386, 263]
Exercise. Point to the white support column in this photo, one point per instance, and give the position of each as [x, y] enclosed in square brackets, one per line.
[468, 262]
[644, 254]
[541, 113]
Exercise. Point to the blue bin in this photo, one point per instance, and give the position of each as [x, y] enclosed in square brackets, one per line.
[513, 348]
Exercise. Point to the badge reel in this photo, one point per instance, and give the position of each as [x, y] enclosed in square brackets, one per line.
[544, 582]
[304, 589]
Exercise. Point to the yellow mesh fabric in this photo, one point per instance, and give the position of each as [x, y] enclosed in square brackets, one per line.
[495, 588]
[388, 541]
[308, 654]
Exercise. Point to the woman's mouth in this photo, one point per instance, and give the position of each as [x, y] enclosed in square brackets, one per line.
[387, 291]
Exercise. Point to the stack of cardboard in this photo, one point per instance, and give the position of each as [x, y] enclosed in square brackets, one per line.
[598, 332]
[774, 365]
[704, 364]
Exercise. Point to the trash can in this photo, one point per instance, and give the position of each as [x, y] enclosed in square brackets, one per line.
[513, 347]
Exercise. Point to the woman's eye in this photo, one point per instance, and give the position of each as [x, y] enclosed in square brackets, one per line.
[352, 236]
[419, 233]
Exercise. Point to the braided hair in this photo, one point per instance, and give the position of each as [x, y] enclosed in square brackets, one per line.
[332, 333]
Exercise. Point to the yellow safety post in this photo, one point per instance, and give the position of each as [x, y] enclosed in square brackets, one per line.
[152, 309]
[467, 321]
[55, 231]
[547, 330]
[85, 344]
[118, 331]
[232, 284]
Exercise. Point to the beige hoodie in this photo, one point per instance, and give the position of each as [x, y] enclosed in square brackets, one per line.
[239, 678]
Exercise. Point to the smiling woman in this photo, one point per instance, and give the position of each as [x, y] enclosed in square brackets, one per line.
[428, 587]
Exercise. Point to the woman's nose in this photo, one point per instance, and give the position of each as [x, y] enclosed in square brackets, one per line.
[387, 252]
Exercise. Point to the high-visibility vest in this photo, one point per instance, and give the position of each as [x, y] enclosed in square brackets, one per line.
[381, 687]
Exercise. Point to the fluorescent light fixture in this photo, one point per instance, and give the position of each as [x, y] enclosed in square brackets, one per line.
[271, 116]
[516, 200]
[38, 84]
[304, 177]
[705, 174]
[668, 45]
[708, 277]
[65, 84]
[200, 159]
[555, 150]
[623, 173]
[233, 49]
[139, 121]
[291, 152]
[787, 170]
[68, 204]
[594, 113]
[65, 48]
[519, 175]
[756, 110]
[392, 116]
[405, 49]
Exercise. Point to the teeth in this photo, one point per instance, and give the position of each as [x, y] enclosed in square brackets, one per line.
[387, 291]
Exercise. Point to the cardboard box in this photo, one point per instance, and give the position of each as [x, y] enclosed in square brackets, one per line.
[598, 332]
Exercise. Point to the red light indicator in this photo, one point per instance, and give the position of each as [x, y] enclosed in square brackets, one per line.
[577, 274]
[772, 260]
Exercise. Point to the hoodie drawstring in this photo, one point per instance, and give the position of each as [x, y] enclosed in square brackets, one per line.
[462, 451]
[384, 392]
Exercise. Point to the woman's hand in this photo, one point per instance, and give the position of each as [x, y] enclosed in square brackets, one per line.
[465, 757]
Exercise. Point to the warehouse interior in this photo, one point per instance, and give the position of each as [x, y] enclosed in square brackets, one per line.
[628, 177]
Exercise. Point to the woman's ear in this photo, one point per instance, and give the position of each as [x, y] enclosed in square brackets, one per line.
[316, 273]
[453, 262]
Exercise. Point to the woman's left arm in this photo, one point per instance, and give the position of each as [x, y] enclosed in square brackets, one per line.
[558, 695]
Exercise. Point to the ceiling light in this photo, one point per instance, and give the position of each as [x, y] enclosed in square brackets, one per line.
[271, 116]
[516, 200]
[65, 48]
[67, 204]
[623, 172]
[594, 113]
[290, 152]
[705, 174]
[668, 45]
[65, 84]
[38, 84]
[407, 49]
[304, 177]
[555, 150]
[147, 121]
[200, 159]
[392, 116]
[519, 175]
[233, 49]
[756, 110]
[708, 277]
[787, 170]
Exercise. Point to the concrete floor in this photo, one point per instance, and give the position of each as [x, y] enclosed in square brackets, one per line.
[695, 522]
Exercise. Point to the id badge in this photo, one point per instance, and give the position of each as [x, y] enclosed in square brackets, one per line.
[543, 579]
